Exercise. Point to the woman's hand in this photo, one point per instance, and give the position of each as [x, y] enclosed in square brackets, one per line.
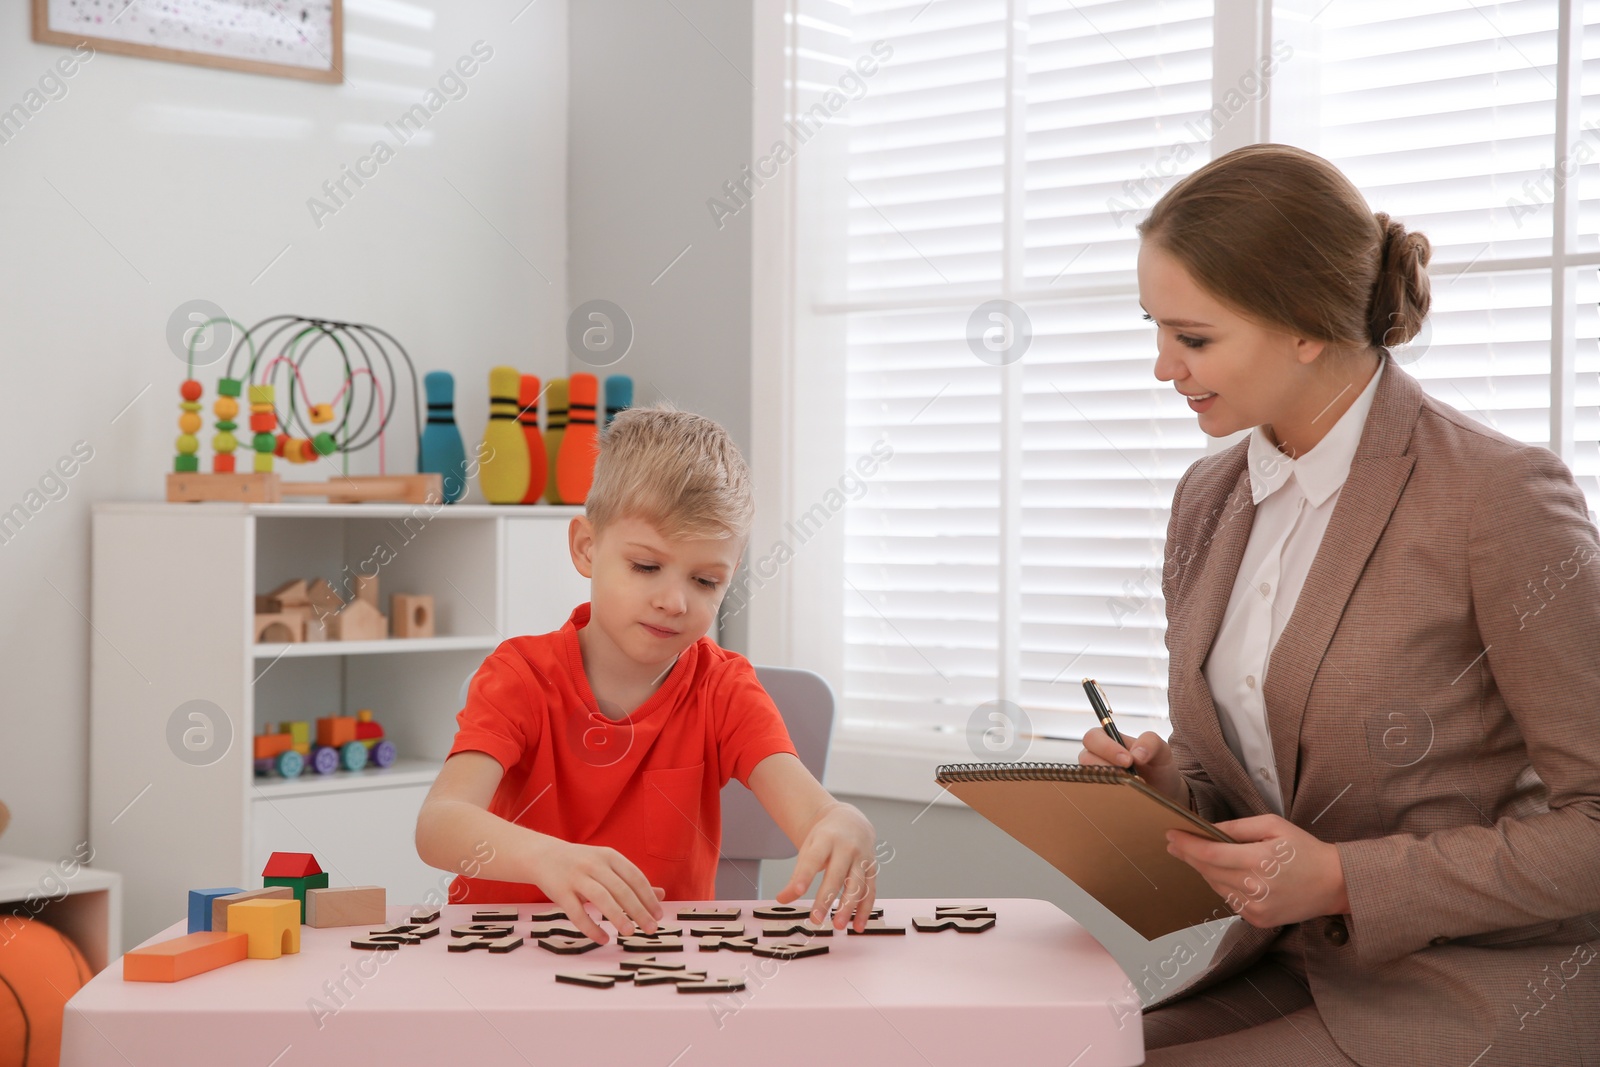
[573, 875]
[1149, 754]
[838, 844]
[1278, 874]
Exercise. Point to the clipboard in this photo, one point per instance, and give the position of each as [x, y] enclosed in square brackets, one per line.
[1103, 828]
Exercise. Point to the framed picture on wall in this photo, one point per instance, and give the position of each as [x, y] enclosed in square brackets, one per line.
[288, 38]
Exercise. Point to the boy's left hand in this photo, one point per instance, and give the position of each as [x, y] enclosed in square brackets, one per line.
[839, 845]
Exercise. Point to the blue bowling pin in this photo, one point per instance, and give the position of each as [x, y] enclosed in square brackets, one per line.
[619, 395]
[442, 451]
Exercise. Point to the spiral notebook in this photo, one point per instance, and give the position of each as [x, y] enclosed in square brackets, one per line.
[1101, 827]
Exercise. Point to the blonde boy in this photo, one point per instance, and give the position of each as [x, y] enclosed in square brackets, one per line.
[589, 762]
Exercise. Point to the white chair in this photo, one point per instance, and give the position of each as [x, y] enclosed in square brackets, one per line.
[805, 700]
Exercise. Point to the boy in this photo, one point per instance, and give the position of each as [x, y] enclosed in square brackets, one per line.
[589, 762]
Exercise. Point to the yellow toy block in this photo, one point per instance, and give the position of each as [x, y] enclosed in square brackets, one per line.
[272, 927]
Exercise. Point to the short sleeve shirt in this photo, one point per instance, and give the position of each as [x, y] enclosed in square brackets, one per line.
[648, 785]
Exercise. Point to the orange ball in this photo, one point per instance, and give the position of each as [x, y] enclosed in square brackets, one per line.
[226, 407]
[190, 389]
[40, 969]
[283, 441]
[189, 422]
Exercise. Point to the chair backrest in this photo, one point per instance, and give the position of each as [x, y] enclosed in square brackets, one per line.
[805, 700]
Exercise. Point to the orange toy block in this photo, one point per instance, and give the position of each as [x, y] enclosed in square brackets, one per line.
[354, 905]
[272, 926]
[413, 614]
[184, 957]
[336, 730]
[269, 745]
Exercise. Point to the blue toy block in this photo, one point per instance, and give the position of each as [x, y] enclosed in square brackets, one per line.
[200, 906]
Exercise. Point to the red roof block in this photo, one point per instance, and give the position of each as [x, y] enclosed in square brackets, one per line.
[290, 865]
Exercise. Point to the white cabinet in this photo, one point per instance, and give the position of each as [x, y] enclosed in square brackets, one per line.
[177, 687]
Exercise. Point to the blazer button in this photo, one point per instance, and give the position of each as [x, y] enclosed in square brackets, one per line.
[1336, 931]
[1441, 940]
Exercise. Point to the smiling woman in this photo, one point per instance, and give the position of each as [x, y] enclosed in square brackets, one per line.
[1354, 696]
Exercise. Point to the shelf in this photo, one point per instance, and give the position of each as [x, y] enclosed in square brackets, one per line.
[469, 643]
[401, 772]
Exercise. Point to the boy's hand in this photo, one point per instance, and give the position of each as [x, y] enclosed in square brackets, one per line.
[839, 845]
[573, 875]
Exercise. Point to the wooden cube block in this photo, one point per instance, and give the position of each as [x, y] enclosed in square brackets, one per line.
[280, 628]
[354, 905]
[183, 957]
[412, 614]
[219, 906]
[272, 926]
[359, 621]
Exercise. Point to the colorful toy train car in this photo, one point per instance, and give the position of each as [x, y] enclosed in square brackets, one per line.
[347, 741]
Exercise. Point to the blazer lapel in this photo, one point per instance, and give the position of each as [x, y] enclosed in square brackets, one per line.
[1212, 596]
[1378, 474]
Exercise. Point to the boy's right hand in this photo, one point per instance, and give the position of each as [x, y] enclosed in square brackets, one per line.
[573, 875]
[1149, 754]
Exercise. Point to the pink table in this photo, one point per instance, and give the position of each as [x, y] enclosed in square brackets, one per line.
[1035, 989]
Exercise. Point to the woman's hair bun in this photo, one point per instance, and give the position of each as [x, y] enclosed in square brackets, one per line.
[1401, 295]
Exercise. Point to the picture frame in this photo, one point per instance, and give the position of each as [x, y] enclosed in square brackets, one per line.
[255, 36]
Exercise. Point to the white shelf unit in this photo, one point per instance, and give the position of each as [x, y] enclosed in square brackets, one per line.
[173, 600]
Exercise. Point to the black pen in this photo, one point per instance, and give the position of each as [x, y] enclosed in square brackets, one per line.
[1102, 711]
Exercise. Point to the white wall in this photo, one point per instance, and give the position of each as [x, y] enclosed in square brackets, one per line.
[149, 184]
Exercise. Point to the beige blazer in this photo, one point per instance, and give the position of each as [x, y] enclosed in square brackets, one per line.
[1434, 705]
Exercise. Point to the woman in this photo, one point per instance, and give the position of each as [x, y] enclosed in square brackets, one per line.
[1384, 632]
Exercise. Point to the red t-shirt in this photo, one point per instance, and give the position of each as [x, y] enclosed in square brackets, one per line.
[648, 785]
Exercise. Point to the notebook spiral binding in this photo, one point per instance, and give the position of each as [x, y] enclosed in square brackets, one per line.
[1028, 772]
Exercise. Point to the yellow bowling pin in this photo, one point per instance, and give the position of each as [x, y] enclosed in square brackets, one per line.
[503, 467]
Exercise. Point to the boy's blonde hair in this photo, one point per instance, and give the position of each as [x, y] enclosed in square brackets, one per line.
[676, 470]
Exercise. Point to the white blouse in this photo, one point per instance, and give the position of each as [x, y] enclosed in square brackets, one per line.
[1294, 500]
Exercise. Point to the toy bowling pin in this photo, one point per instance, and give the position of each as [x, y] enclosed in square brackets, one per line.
[619, 395]
[555, 425]
[528, 416]
[575, 464]
[503, 470]
[442, 451]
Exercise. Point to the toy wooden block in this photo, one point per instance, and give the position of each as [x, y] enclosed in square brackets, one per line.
[356, 905]
[787, 927]
[650, 963]
[496, 915]
[876, 926]
[273, 927]
[595, 979]
[560, 928]
[412, 614]
[780, 911]
[716, 930]
[493, 944]
[567, 946]
[963, 911]
[297, 870]
[791, 950]
[219, 906]
[336, 731]
[547, 915]
[280, 628]
[412, 932]
[875, 913]
[184, 957]
[712, 985]
[658, 977]
[736, 944]
[709, 914]
[952, 922]
[366, 588]
[269, 488]
[200, 901]
[647, 943]
[481, 930]
[323, 600]
[291, 594]
[359, 621]
[377, 944]
[424, 914]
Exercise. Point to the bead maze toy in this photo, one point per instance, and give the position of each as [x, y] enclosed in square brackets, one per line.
[302, 432]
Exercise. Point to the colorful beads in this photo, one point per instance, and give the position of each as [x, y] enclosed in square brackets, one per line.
[189, 422]
[263, 420]
[226, 407]
[324, 444]
[321, 413]
[190, 390]
[186, 462]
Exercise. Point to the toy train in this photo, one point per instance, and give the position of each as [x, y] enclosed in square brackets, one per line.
[343, 741]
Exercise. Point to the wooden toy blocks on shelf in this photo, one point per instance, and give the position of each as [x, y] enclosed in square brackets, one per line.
[412, 613]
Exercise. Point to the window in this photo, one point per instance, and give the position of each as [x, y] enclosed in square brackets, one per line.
[973, 251]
